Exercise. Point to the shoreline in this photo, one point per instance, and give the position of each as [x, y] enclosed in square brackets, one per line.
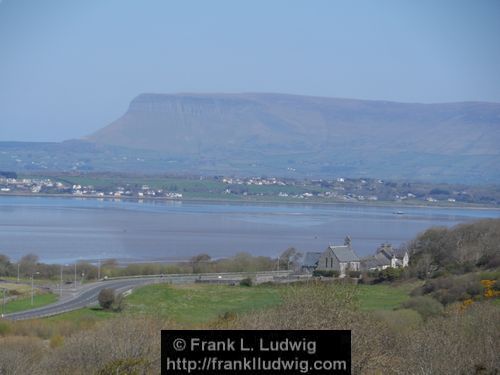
[263, 201]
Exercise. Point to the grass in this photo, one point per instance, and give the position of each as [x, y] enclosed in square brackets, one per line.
[25, 281]
[199, 303]
[383, 296]
[167, 183]
[87, 314]
[22, 304]
[184, 304]
[16, 288]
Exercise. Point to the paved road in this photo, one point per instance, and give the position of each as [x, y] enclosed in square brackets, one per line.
[84, 297]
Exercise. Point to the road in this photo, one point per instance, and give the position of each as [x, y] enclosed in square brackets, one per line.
[87, 295]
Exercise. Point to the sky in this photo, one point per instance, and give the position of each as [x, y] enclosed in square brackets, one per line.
[70, 67]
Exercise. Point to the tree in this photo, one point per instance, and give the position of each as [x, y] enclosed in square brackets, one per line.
[109, 263]
[198, 260]
[89, 270]
[6, 268]
[28, 263]
[289, 258]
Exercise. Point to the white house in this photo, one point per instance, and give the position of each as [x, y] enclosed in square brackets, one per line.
[386, 256]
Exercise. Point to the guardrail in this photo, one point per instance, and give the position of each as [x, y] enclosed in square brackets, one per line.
[283, 273]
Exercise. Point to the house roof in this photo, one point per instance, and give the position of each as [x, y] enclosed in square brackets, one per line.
[383, 258]
[400, 253]
[388, 251]
[370, 262]
[311, 259]
[344, 253]
[374, 261]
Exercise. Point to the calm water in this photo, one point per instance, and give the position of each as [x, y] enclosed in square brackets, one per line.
[65, 229]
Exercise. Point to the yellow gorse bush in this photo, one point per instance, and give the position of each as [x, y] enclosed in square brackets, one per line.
[489, 292]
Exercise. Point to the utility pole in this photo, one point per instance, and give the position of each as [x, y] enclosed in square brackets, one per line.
[61, 282]
[99, 268]
[3, 304]
[32, 289]
[32, 286]
[18, 264]
[75, 276]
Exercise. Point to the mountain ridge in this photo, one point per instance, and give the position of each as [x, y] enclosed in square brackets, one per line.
[185, 122]
[286, 135]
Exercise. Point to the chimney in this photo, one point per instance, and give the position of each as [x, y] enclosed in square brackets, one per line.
[347, 241]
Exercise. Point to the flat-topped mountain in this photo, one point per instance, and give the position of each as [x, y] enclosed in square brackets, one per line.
[281, 132]
[277, 123]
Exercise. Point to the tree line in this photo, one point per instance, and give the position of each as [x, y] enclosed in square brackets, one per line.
[200, 263]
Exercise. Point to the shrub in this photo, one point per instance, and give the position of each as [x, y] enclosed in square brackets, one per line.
[246, 282]
[366, 278]
[123, 366]
[426, 306]
[390, 274]
[452, 288]
[446, 296]
[474, 288]
[354, 274]
[417, 292]
[106, 298]
[4, 328]
[400, 320]
[496, 286]
[326, 273]
[125, 346]
[56, 341]
[21, 355]
[119, 303]
[464, 342]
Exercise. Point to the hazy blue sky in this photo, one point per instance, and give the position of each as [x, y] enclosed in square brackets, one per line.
[69, 67]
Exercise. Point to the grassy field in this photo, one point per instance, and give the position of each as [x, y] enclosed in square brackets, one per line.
[16, 288]
[167, 183]
[199, 303]
[24, 303]
[87, 314]
[384, 296]
[23, 300]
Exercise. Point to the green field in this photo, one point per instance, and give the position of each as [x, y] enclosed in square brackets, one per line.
[199, 303]
[81, 316]
[166, 183]
[24, 303]
[383, 296]
[203, 303]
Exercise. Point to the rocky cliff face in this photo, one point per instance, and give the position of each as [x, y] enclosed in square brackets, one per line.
[324, 131]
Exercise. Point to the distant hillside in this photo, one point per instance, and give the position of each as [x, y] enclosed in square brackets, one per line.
[314, 136]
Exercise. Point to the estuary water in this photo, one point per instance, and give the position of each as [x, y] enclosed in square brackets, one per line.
[62, 230]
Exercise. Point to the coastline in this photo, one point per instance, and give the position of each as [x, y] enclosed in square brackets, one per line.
[216, 200]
